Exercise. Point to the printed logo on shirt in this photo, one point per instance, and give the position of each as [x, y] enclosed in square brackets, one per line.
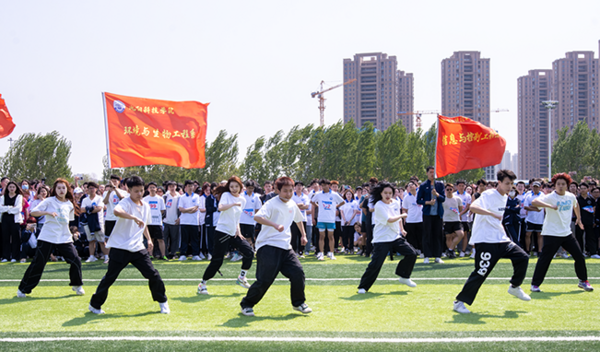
[169, 203]
[589, 209]
[249, 212]
[63, 216]
[564, 205]
[454, 210]
[327, 205]
[153, 204]
[115, 200]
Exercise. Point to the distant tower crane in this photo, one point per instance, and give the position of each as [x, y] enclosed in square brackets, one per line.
[321, 97]
[418, 114]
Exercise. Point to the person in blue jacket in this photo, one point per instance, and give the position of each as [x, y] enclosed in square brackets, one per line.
[431, 196]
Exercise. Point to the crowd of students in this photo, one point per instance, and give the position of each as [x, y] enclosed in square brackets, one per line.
[214, 221]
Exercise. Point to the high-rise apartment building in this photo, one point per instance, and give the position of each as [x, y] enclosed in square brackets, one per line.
[533, 123]
[405, 98]
[466, 90]
[380, 89]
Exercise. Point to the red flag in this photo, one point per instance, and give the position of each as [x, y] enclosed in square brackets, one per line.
[464, 144]
[6, 122]
[154, 132]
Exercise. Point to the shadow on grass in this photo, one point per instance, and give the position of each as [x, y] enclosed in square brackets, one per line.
[371, 295]
[549, 295]
[90, 317]
[16, 299]
[244, 321]
[200, 298]
[475, 318]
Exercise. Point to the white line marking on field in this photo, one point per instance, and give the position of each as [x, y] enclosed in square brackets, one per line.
[315, 279]
[310, 339]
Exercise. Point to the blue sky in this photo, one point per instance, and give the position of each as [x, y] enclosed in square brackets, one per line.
[257, 62]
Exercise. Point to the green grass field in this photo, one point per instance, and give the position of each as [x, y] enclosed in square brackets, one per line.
[498, 321]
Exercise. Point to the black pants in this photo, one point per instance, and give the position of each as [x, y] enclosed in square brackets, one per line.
[414, 234]
[486, 258]
[297, 238]
[271, 261]
[432, 236]
[189, 233]
[513, 231]
[380, 251]
[119, 259]
[42, 253]
[248, 231]
[337, 234]
[208, 239]
[11, 238]
[222, 243]
[348, 237]
[171, 236]
[591, 242]
[369, 244]
[551, 246]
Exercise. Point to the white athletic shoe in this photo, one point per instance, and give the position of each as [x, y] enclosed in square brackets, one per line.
[95, 311]
[247, 311]
[91, 259]
[196, 258]
[462, 254]
[439, 261]
[320, 256]
[460, 307]
[209, 257]
[236, 257]
[535, 288]
[164, 308]
[407, 282]
[106, 259]
[565, 255]
[421, 255]
[242, 282]
[202, 256]
[426, 261]
[202, 290]
[303, 308]
[518, 292]
[362, 291]
[595, 256]
[472, 256]
[330, 256]
[4, 260]
[182, 258]
[78, 290]
[21, 294]
[14, 260]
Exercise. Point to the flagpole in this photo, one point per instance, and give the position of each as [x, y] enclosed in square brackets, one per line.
[437, 129]
[106, 129]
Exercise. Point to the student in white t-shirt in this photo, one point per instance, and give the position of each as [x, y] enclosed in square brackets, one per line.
[327, 203]
[414, 220]
[560, 206]
[58, 211]
[535, 217]
[452, 225]
[112, 196]
[127, 246]
[303, 203]
[348, 212]
[388, 237]
[93, 204]
[253, 203]
[274, 252]
[171, 233]
[227, 233]
[493, 243]
[157, 209]
[189, 223]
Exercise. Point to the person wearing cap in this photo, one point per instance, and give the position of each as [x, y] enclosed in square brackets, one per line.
[535, 218]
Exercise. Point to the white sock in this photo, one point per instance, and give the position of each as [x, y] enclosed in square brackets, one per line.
[243, 274]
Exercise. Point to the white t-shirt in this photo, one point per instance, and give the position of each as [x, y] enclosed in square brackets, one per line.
[171, 205]
[127, 235]
[157, 205]
[97, 201]
[188, 201]
[523, 212]
[348, 209]
[327, 203]
[558, 222]
[202, 205]
[466, 199]
[414, 210]
[253, 203]
[534, 217]
[385, 231]
[230, 218]
[303, 199]
[56, 229]
[113, 200]
[451, 212]
[281, 213]
[486, 228]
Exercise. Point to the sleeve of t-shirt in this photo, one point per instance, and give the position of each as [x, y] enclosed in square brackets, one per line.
[527, 201]
[265, 210]
[124, 207]
[338, 198]
[202, 203]
[161, 204]
[546, 198]
[148, 214]
[403, 207]
[481, 201]
[257, 203]
[379, 215]
[297, 214]
[226, 198]
[315, 198]
[42, 206]
[71, 213]
[574, 200]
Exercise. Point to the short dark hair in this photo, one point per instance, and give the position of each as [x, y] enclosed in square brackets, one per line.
[521, 183]
[134, 181]
[4, 178]
[250, 183]
[312, 182]
[449, 185]
[458, 182]
[92, 184]
[267, 183]
[429, 168]
[502, 174]
[283, 181]
[574, 183]
[298, 183]
[152, 183]
[115, 177]
[373, 180]
[188, 182]
[584, 184]
[481, 181]
[324, 181]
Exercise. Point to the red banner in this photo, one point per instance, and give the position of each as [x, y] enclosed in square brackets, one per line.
[6, 122]
[143, 131]
[464, 144]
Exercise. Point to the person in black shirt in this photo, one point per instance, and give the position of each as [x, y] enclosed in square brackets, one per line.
[587, 204]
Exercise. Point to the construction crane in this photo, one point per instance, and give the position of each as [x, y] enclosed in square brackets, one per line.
[321, 97]
[418, 114]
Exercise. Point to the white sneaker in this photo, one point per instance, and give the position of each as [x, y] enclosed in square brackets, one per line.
[472, 256]
[95, 311]
[439, 261]
[460, 307]
[443, 256]
[106, 259]
[209, 256]
[421, 255]
[91, 259]
[249, 312]
[407, 282]
[14, 260]
[362, 291]
[242, 282]
[182, 258]
[565, 255]
[461, 254]
[535, 288]
[426, 261]
[518, 292]
[4, 260]
[303, 308]
[21, 294]
[320, 256]
[78, 290]
[202, 290]
[202, 256]
[330, 256]
[164, 308]
[196, 258]
[594, 256]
